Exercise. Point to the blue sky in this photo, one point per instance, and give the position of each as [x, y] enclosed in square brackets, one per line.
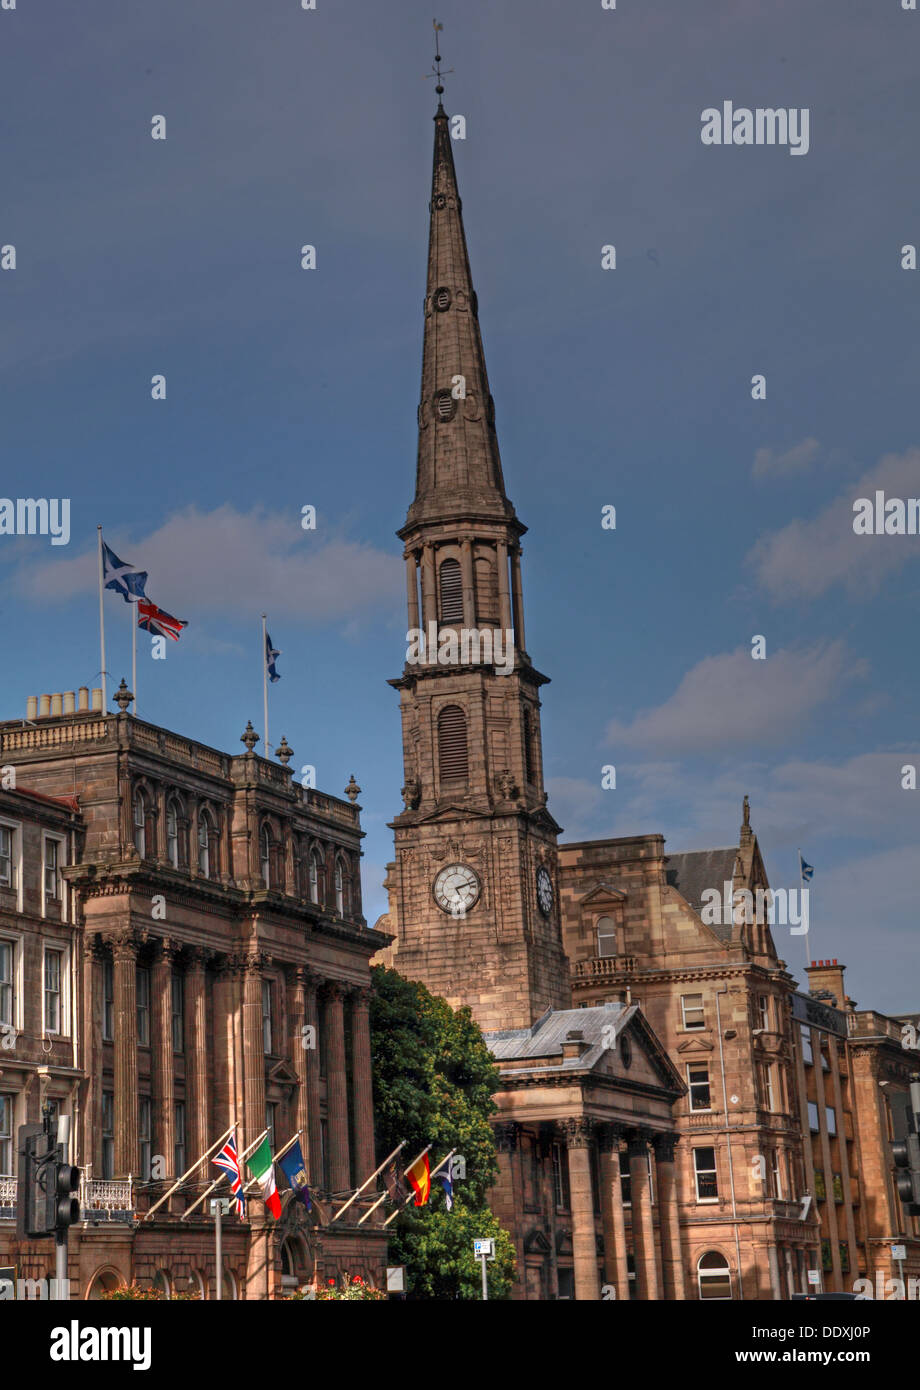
[630, 387]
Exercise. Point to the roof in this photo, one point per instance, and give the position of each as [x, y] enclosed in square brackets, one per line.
[693, 873]
[67, 803]
[545, 1037]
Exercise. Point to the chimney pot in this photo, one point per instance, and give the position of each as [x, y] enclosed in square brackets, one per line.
[97, 697]
[44, 706]
[68, 702]
[82, 699]
[32, 707]
[56, 702]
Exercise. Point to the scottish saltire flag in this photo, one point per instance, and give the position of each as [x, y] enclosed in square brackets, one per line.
[124, 579]
[158, 621]
[270, 654]
[444, 1180]
[808, 872]
[292, 1166]
[228, 1160]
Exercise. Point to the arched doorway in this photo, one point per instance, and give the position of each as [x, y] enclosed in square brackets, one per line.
[103, 1281]
[714, 1275]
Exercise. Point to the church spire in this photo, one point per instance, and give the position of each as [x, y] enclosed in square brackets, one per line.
[459, 473]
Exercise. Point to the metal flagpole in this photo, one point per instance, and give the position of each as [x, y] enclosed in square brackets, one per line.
[809, 957]
[102, 624]
[373, 1175]
[217, 1181]
[218, 1254]
[431, 1174]
[187, 1174]
[256, 1182]
[265, 745]
[383, 1195]
[133, 610]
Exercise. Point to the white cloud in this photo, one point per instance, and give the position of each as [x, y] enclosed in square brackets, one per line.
[241, 564]
[806, 558]
[731, 699]
[767, 462]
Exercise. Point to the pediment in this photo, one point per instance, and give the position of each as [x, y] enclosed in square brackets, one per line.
[536, 1243]
[603, 892]
[284, 1074]
[690, 1045]
[451, 811]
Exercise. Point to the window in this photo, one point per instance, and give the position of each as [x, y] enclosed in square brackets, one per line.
[691, 1007]
[763, 1010]
[606, 936]
[108, 1001]
[807, 1055]
[813, 1123]
[54, 984]
[453, 758]
[267, 1017]
[271, 1111]
[831, 1114]
[698, 1081]
[827, 1263]
[769, 1094]
[7, 982]
[140, 824]
[316, 867]
[270, 853]
[143, 1005]
[844, 1257]
[529, 760]
[177, 1011]
[776, 1176]
[561, 1177]
[823, 1045]
[143, 1134]
[820, 1187]
[52, 855]
[837, 1187]
[208, 846]
[176, 834]
[486, 581]
[6, 1136]
[625, 1180]
[7, 862]
[179, 1140]
[451, 589]
[714, 1276]
[108, 1134]
[704, 1169]
[339, 888]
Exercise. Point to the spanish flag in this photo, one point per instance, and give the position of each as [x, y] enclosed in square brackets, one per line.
[420, 1177]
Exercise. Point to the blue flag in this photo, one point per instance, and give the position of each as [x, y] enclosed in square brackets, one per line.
[444, 1180]
[808, 872]
[270, 654]
[124, 579]
[292, 1166]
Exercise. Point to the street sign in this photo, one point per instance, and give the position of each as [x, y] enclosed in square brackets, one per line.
[899, 1252]
[220, 1204]
[484, 1247]
[814, 1276]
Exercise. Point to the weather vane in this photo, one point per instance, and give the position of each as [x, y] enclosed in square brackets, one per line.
[436, 65]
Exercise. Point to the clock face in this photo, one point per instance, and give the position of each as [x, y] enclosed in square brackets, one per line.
[544, 891]
[456, 889]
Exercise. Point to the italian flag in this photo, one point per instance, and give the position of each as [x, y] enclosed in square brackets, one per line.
[261, 1166]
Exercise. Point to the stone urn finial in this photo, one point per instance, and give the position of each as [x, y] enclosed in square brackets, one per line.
[123, 697]
[249, 736]
[284, 752]
[352, 791]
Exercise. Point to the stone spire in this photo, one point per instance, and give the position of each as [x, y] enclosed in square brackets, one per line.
[459, 470]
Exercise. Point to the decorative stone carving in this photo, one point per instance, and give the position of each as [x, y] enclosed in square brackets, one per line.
[249, 736]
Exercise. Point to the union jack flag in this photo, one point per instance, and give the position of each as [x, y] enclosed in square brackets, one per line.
[228, 1160]
[158, 621]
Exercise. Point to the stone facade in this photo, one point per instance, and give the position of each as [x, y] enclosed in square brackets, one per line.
[218, 973]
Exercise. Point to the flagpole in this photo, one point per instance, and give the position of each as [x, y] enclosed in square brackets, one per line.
[369, 1180]
[432, 1173]
[383, 1195]
[805, 935]
[253, 1182]
[179, 1181]
[217, 1181]
[133, 610]
[101, 624]
[265, 746]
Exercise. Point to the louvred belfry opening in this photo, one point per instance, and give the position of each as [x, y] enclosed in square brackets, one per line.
[451, 592]
[453, 758]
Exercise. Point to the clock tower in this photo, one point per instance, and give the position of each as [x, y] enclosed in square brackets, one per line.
[474, 903]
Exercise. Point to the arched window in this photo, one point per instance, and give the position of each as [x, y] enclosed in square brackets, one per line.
[606, 936]
[145, 837]
[529, 761]
[341, 887]
[208, 845]
[271, 858]
[451, 589]
[714, 1275]
[162, 1282]
[176, 833]
[453, 759]
[104, 1282]
[317, 877]
[486, 592]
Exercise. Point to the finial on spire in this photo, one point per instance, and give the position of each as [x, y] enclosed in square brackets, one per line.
[436, 66]
[746, 814]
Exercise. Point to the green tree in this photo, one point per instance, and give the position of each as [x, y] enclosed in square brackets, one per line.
[434, 1081]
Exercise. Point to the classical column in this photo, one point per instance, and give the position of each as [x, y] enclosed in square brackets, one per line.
[89, 1136]
[466, 577]
[616, 1269]
[293, 977]
[672, 1258]
[506, 1199]
[429, 598]
[362, 1084]
[253, 1050]
[504, 594]
[124, 952]
[518, 599]
[579, 1137]
[196, 1058]
[643, 1231]
[337, 1090]
[313, 1154]
[161, 1054]
[412, 589]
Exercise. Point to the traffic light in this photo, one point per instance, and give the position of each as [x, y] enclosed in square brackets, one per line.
[66, 1183]
[906, 1151]
[46, 1204]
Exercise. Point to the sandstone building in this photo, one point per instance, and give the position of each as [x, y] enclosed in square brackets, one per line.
[172, 920]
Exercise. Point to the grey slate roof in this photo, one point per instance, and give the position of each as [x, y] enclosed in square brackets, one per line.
[545, 1037]
[691, 874]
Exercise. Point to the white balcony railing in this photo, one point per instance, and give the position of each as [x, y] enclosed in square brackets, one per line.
[106, 1195]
